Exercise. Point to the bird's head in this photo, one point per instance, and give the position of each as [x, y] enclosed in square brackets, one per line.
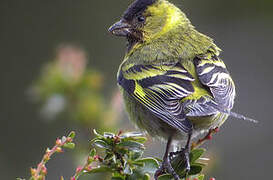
[147, 20]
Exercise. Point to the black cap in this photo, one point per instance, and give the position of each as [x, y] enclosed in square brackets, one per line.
[137, 7]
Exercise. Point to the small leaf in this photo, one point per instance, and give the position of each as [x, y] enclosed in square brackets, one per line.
[96, 133]
[146, 177]
[131, 134]
[69, 145]
[115, 159]
[92, 152]
[101, 144]
[195, 169]
[72, 134]
[100, 169]
[201, 177]
[199, 164]
[117, 178]
[136, 155]
[137, 139]
[150, 165]
[108, 135]
[165, 177]
[108, 157]
[195, 154]
[127, 169]
[131, 145]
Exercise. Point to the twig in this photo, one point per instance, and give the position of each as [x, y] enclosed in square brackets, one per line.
[40, 172]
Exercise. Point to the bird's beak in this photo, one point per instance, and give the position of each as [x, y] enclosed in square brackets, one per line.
[120, 28]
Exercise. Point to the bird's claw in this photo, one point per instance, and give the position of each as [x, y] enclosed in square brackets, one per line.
[185, 154]
[166, 167]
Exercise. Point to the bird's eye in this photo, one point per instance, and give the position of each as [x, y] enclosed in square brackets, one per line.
[141, 19]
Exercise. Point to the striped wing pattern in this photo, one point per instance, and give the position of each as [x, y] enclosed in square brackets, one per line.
[160, 89]
[212, 73]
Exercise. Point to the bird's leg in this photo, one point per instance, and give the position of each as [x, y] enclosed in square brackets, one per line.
[207, 137]
[185, 153]
[166, 166]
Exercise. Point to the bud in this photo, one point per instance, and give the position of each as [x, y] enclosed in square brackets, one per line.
[58, 142]
[32, 171]
[59, 150]
[90, 159]
[69, 139]
[44, 170]
[88, 168]
[41, 177]
[96, 157]
[46, 157]
[120, 132]
[79, 169]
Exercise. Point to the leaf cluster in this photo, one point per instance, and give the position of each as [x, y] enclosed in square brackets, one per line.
[122, 157]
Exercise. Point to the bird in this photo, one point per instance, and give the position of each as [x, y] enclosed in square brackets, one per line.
[174, 85]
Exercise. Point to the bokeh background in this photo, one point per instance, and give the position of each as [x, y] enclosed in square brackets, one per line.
[32, 31]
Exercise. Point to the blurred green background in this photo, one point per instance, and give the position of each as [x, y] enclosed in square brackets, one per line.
[31, 30]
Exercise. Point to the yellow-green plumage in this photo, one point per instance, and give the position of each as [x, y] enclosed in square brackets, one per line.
[172, 80]
[169, 38]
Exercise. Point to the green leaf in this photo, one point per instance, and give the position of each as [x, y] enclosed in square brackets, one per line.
[146, 177]
[127, 169]
[195, 169]
[131, 134]
[100, 170]
[69, 145]
[131, 145]
[96, 133]
[199, 164]
[117, 178]
[108, 135]
[178, 163]
[109, 156]
[101, 144]
[135, 155]
[150, 165]
[201, 177]
[195, 154]
[137, 139]
[72, 134]
[93, 152]
[165, 177]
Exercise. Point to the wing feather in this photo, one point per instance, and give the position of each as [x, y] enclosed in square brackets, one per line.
[160, 89]
[212, 73]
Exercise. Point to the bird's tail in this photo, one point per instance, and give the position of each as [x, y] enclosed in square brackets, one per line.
[234, 114]
[240, 116]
